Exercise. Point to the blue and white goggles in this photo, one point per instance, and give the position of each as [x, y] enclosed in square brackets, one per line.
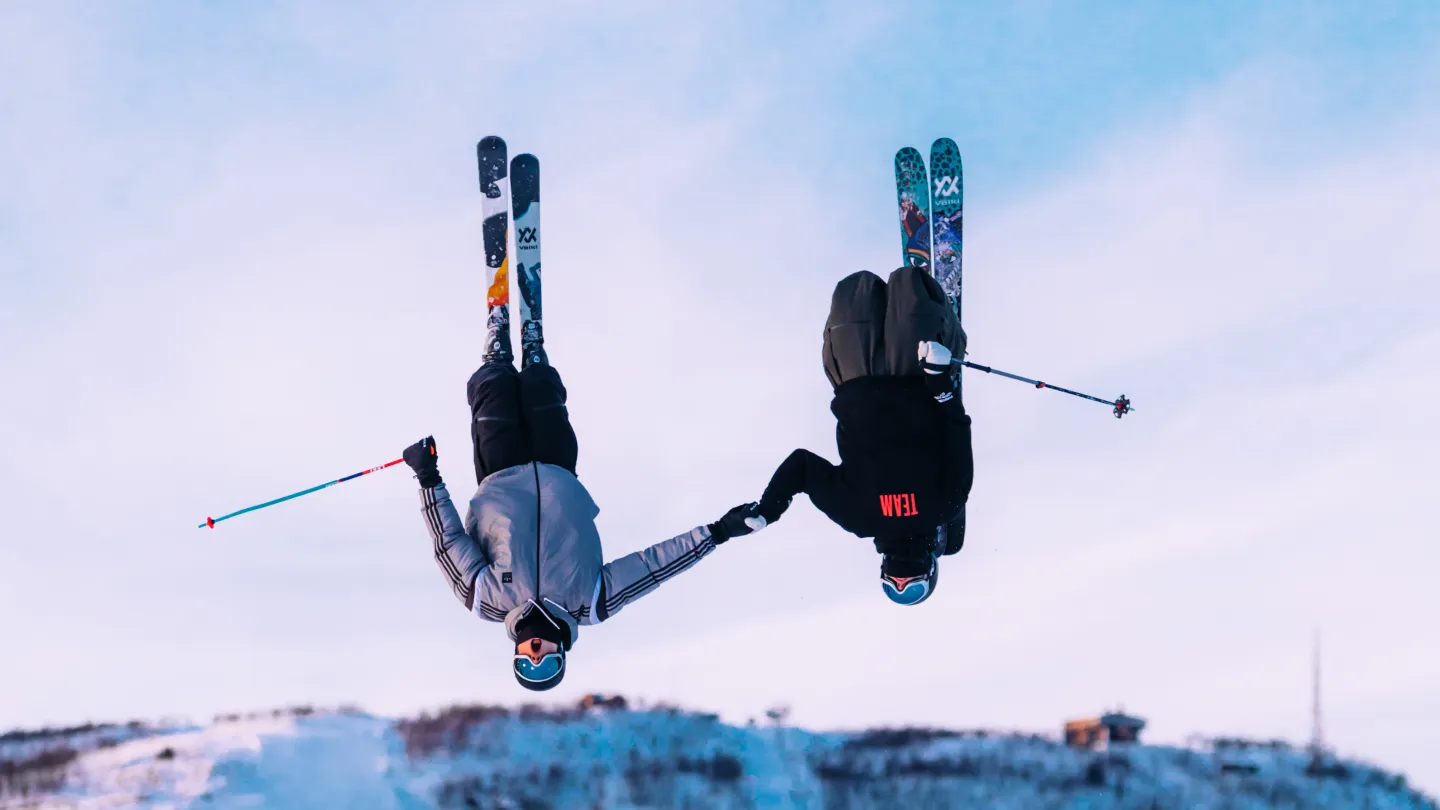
[543, 670]
[534, 666]
[906, 590]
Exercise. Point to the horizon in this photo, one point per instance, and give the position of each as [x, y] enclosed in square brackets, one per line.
[240, 255]
[641, 704]
[310, 759]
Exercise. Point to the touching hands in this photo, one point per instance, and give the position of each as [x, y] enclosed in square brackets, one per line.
[738, 522]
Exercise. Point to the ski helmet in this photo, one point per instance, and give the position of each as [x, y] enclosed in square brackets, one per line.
[540, 646]
[909, 580]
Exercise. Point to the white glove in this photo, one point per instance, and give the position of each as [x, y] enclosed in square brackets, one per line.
[756, 523]
[935, 357]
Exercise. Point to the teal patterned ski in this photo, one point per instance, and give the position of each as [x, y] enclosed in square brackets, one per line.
[947, 204]
[913, 192]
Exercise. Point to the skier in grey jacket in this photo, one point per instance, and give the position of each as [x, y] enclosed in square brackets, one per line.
[528, 553]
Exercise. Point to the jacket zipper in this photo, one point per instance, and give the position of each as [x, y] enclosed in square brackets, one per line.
[538, 595]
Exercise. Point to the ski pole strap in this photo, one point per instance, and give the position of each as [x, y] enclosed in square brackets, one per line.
[1120, 405]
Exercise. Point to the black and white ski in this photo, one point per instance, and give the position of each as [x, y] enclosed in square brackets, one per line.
[525, 187]
[495, 185]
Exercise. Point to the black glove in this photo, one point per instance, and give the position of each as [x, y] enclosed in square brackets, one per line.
[738, 522]
[422, 459]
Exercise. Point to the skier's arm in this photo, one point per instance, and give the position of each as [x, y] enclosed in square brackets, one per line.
[456, 552]
[803, 471]
[634, 575]
[953, 428]
[957, 449]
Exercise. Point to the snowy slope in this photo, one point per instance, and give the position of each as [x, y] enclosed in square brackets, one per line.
[621, 760]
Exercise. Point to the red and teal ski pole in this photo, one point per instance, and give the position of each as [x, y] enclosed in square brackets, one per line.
[1120, 406]
[210, 522]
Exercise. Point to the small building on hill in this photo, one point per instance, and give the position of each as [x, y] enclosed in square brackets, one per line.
[1121, 727]
[1100, 732]
[598, 701]
[1086, 733]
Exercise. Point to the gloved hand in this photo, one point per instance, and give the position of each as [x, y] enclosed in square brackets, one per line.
[422, 459]
[934, 357]
[939, 373]
[738, 522]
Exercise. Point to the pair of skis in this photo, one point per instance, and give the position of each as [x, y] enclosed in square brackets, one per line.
[520, 186]
[932, 208]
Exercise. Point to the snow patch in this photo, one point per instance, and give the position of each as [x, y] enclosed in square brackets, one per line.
[625, 760]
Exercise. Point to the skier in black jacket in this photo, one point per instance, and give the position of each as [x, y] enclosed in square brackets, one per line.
[904, 438]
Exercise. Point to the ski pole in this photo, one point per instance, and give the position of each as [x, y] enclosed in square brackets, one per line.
[1121, 405]
[212, 521]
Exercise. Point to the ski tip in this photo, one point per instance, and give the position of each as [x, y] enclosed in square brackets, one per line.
[525, 168]
[490, 155]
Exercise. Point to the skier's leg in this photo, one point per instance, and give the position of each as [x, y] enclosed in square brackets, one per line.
[496, 427]
[542, 395]
[918, 310]
[854, 331]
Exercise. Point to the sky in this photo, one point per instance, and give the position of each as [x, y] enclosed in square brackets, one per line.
[240, 255]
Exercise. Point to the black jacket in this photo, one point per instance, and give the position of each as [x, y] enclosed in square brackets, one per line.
[906, 464]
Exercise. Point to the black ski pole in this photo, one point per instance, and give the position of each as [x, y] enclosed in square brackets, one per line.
[1121, 405]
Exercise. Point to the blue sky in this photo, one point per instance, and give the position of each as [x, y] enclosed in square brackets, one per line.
[240, 255]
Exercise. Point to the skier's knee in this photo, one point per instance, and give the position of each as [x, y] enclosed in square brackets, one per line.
[848, 289]
[486, 379]
[861, 275]
[541, 386]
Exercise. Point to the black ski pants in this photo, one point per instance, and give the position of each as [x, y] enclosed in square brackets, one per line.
[874, 328]
[519, 417]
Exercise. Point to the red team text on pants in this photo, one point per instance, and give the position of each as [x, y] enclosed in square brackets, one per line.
[901, 505]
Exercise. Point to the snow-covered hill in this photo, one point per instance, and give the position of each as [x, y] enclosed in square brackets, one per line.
[534, 759]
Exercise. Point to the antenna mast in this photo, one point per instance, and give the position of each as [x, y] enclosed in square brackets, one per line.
[1317, 735]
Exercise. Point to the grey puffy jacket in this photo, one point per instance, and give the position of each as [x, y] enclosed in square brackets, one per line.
[530, 535]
